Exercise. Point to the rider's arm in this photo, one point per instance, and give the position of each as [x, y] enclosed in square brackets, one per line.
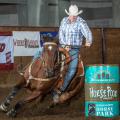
[61, 33]
[86, 32]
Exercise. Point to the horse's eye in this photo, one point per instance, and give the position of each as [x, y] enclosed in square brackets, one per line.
[50, 47]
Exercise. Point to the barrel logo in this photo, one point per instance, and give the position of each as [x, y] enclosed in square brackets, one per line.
[91, 109]
[104, 93]
[103, 75]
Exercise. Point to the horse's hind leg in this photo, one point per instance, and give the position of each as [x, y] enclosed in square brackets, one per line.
[13, 112]
[6, 103]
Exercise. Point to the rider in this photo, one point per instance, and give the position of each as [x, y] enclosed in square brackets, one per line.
[71, 32]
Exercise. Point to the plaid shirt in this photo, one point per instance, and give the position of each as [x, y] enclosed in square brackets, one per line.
[72, 33]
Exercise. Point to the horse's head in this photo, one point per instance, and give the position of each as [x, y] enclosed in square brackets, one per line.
[49, 58]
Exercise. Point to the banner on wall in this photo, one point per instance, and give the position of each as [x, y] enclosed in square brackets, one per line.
[6, 52]
[47, 34]
[26, 43]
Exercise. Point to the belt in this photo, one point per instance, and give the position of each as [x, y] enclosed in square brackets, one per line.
[72, 47]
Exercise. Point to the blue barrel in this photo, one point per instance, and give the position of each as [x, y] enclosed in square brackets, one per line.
[102, 90]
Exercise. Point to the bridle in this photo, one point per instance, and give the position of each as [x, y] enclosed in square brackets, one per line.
[44, 65]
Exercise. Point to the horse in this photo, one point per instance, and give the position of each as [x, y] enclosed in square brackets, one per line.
[41, 77]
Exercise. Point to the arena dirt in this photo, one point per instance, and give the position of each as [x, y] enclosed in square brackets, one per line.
[74, 110]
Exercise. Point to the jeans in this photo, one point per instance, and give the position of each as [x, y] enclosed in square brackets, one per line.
[38, 54]
[74, 54]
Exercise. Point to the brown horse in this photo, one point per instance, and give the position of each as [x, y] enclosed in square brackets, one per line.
[41, 76]
[38, 77]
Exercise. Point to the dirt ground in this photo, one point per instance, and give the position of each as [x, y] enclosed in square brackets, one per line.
[39, 111]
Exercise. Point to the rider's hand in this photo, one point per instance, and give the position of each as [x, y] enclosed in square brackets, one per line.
[87, 44]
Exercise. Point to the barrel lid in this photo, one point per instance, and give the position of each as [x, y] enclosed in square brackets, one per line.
[103, 65]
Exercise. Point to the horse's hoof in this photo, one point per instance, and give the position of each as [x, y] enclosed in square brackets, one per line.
[12, 113]
[3, 108]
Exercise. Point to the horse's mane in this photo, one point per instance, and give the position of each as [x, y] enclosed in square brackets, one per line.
[51, 39]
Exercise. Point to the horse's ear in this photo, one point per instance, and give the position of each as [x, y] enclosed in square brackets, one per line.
[51, 39]
[55, 40]
[46, 38]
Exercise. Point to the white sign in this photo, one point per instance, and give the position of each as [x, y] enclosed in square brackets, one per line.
[26, 43]
[6, 49]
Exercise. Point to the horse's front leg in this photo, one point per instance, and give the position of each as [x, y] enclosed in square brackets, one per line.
[6, 103]
[13, 112]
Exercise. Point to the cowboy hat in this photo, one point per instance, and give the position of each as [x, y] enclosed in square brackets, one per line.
[73, 11]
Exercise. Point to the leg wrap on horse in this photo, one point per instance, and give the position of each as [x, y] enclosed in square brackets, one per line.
[19, 105]
[8, 99]
[13, 111]
[11, 95]
[3, 107]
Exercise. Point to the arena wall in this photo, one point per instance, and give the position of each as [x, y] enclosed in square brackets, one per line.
[104, 50]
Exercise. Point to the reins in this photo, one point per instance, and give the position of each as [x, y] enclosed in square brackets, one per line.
[66, 59]
[61, 72]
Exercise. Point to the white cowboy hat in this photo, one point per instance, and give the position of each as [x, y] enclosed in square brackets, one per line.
[73, 11]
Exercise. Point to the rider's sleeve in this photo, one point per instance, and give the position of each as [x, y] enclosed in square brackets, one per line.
[61, 33]
[86, 31]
